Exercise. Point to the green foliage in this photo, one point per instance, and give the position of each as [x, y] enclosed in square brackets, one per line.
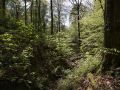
[91, 48]
[16, 51]
[74, 76]
[30, 55]
[99, 4]
[27, 53]
[92, 33]
[16, 45]
[62, 41]
[52, 52]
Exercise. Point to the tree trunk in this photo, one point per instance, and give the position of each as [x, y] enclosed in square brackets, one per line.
[78, 22]
[51, 6]
[36, 15]
[39, 14]
[112, 34]
[59, 16]
[31, 11]
[25, 12]
[2, 8]
[17, 11]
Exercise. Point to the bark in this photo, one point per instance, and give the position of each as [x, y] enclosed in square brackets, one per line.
[59, 16]
[78, 19]
[17, 11]
[39, 14]
[112, 34]
[31, 11]
[25, 12]
[2, 8]
[51, 7]
[78, 22]
[36, 15]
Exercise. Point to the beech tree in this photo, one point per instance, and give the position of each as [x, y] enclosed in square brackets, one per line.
[78, 4]
[112, 34]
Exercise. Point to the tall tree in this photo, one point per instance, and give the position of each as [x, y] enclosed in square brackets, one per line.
[39, 14]
[2, 7]
[17, 4]
[31, 11]
[112, 34]
[25, 1]
[52, 23]
[59, 14]
[78, 4]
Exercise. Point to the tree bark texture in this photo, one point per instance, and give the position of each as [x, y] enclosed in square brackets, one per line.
[112, 34]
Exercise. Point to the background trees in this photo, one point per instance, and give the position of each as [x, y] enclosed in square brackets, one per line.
[41, 49]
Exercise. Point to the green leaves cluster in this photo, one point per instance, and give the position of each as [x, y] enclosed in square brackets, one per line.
[16, 45]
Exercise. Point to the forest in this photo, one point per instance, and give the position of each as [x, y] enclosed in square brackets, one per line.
[59, 45]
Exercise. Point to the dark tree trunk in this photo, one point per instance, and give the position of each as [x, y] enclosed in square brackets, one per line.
[39, 14]
[78, 22]
[25, 12]
[2, 8]
[59, 16]
[112, 34]
[51, 6]
[36, 14]
[31, 11]
[17, 12]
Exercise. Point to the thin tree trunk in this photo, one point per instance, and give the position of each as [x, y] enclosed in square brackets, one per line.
[59, 16]
[36, 15]
[39, 14]
[25, 12]
[101, 5]
[31, 11]
[2, 8]
[17, 11]
[78, 22]
[51, 6]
